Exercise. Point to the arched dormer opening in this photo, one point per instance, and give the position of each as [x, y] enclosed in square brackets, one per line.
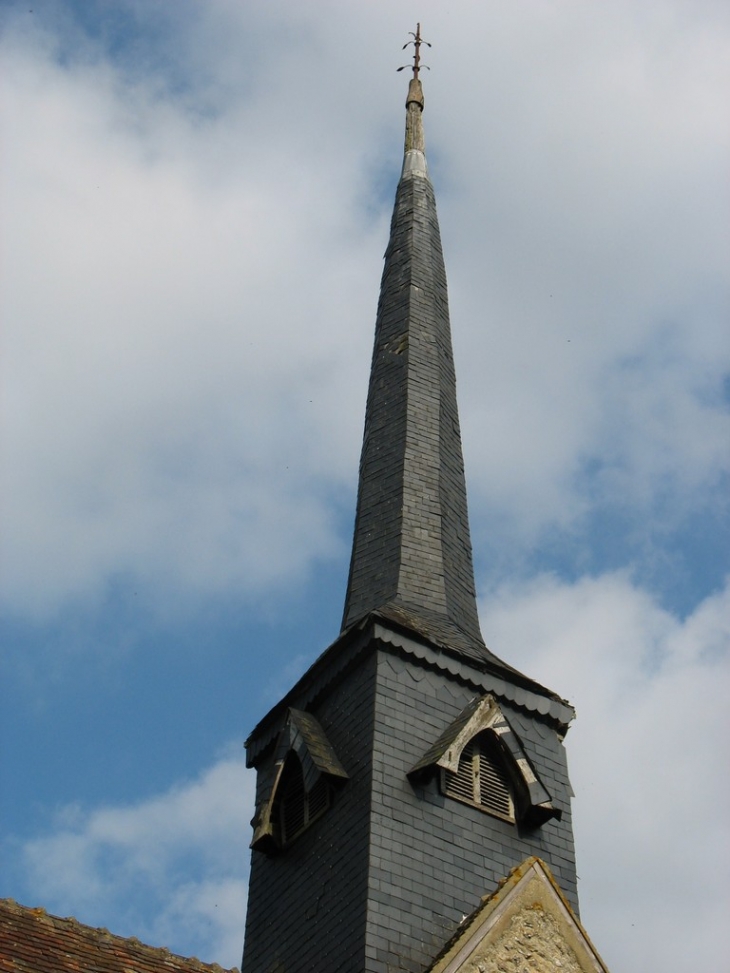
[294, 808]
[482, 762]
[482, 778]
[305, 774]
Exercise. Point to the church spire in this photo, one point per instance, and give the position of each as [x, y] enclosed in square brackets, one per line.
[411, 555]
[408, 770]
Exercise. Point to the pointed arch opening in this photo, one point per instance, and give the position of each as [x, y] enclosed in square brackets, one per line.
[303, 780]
[295, 808]
[482, 762]
[482, 778]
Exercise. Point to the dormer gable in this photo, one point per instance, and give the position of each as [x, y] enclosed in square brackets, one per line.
[482, 762]
[306, 770]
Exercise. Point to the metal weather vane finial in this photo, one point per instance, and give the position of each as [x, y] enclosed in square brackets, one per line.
[417, 41]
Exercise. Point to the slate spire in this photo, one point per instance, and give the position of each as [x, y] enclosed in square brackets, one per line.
[408, 770]
[411, 555]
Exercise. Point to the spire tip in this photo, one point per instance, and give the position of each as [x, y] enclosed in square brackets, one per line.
[417, 41]
[414, 160]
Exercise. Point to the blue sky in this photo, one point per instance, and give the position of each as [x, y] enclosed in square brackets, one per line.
[195, 202]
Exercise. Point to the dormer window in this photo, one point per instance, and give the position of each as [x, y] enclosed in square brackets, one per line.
[481, 761]
[294, 808]
[481, 779]
[305, 774]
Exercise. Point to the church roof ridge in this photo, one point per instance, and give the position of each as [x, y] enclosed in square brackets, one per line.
[35, 941]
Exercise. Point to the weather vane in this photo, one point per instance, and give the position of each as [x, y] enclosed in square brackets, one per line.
[417, 41]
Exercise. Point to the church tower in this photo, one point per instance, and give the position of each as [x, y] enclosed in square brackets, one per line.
[410, 770]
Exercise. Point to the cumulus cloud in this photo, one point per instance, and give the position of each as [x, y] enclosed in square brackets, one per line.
[171, 870]
[650, 690]
[597, 370]
[195, 203]
[192, 270]
[169, 380]
[646, 756]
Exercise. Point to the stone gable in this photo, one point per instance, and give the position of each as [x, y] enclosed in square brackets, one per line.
[526, 926]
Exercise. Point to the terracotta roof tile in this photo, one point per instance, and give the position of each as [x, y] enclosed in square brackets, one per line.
[32, 941]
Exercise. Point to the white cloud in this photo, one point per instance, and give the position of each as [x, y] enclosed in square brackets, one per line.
[189, 294]
[647, 756]
[191, 249]
[171, 870]
[587, 262]
[173, 355]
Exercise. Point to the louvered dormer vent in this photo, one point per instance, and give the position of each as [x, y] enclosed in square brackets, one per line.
[481, 779]
[295, 809]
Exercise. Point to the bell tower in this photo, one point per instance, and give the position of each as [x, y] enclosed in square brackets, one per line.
[410, 770]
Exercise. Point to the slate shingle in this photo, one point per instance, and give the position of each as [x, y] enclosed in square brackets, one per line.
[411, 551]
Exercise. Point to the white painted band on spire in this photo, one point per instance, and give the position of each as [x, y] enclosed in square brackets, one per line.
[414, 164]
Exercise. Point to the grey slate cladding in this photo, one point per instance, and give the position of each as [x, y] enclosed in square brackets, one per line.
[380, 882]
[392, 867]
[411, 555]
[307, 906]
[433, 856]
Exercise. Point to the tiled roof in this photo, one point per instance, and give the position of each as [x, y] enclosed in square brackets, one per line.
[32, 941]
